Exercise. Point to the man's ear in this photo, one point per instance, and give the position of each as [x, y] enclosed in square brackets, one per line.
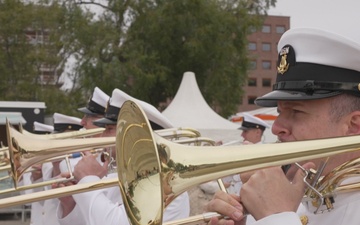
[354, 123]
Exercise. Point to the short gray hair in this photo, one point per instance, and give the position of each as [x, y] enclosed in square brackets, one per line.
[342, 105]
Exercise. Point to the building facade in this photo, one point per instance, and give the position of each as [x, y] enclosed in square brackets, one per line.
[263, 53]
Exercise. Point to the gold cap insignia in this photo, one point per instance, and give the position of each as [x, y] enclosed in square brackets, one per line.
[304, 220]
[283, 65]
[107, 105]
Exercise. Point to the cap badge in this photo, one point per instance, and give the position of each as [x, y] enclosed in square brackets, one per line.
[283, 65]
[107, 105]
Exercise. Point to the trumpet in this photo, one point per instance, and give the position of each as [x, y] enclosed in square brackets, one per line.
[168, 169]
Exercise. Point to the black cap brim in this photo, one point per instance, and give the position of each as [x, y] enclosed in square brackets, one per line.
[245, 128]
[86, 111]
[271, 99]
[103, 121]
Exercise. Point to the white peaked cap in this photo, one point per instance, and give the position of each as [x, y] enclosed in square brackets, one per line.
[97, 103]
[119, 97]
[41, 127]
[314, 64]
[251, 122]
[322, 47]
[63, 122]
[100, 97]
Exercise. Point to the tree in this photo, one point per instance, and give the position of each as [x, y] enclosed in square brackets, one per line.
[141, 47]
[148, 56]
[31, 42]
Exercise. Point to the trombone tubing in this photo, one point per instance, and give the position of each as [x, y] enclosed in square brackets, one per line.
[65, 135]
[345, 144]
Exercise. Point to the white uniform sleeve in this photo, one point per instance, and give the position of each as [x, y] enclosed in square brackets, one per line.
[98, 208]
[105, 206]
[74, 218]
[284, 218]
[179, 208]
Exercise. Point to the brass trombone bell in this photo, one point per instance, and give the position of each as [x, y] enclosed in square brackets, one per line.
[153, 171]
[26, 151]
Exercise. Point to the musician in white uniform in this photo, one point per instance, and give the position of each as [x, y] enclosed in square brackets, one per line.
[318, 96]
[105, 206]
[94, 109]
[44, 212]
[253, 129]
[252, 132]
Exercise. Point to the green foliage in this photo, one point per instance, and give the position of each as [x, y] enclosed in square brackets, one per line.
[208, 37]
[140, 47]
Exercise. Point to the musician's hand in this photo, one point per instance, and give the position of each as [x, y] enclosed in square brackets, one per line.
[269, 191]
[67, 203]
[227, 205]
[216, 221]
[36, 172]
[88, 165]
[246, 142]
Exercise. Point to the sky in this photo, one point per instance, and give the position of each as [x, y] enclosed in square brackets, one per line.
[339, 16]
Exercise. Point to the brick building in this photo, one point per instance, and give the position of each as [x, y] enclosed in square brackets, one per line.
[263, 52]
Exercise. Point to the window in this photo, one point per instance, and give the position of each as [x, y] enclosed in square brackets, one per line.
[251, 100]
[280, 29]
[266, 47]
[266, 65]
[266, 29]
[252, 82]
[252, 46]
[252, 65]
[266, 82]
[252, 29]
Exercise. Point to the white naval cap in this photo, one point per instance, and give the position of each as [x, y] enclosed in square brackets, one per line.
[96, 103]
[314, 64]
[41, 128]
[63, 122]
[253, 122]
[118, 97]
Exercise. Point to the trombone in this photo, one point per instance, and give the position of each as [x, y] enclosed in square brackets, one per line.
[65, 135]
[27, 149]
[167, 169]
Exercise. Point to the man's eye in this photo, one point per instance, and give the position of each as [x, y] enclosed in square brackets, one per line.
[297, 111]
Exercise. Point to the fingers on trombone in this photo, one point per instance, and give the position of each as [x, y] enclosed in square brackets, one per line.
[37, 166]
[85, 153]
[217, 221]
[227, 205]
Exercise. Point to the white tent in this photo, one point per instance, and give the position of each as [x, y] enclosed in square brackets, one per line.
[189, 109]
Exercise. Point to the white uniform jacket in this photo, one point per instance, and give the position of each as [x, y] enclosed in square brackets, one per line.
[346, 212]
[105, 206]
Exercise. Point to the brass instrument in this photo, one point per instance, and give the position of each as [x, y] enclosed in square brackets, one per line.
[177, 133]
[4, 151]
[197, 141]
[64, 135]
[26, 155]
[26, 151]
[148, 163]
